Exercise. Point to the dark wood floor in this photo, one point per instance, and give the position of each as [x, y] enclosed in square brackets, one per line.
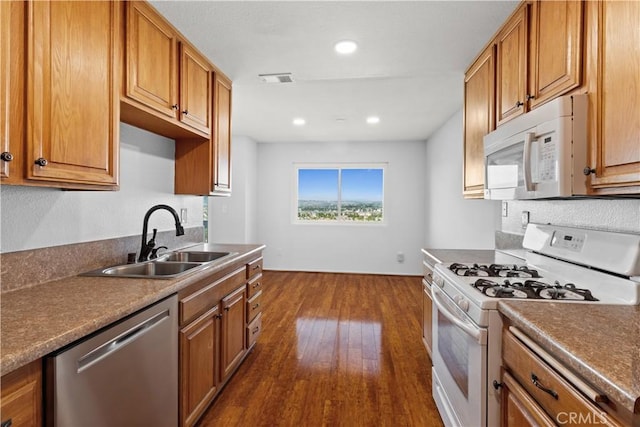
[336, 350]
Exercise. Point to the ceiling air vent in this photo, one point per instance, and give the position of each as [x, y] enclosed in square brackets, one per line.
[276, 78]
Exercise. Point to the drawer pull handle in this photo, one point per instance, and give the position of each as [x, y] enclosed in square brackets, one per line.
[256, 285]
[255, 267]
[255, 330]
[534, 380]
[255, 306]
[7, 423]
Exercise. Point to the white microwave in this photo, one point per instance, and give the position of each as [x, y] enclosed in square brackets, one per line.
[540, 154]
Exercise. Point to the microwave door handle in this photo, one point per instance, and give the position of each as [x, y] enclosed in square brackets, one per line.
[467, 327]
[528, 139]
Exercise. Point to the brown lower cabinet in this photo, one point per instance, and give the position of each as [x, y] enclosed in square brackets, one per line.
[216, 320]
[537, 390]
[22, 396]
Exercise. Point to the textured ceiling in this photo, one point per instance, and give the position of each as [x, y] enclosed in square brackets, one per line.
[408, 69]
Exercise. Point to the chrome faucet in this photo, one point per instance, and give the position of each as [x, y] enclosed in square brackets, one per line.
[147, 247]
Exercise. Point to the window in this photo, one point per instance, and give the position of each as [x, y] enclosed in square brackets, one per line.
[350, 193]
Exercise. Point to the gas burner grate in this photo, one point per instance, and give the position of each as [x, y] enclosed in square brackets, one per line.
[494, 270]
[533, 289]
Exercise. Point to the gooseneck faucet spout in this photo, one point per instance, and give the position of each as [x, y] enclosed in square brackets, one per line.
[147, 247]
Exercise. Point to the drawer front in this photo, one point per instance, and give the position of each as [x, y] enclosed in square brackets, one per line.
[197, 303]
[254, 286]
[254, 330]
[254, 268]
[552, 392]
[254, 306]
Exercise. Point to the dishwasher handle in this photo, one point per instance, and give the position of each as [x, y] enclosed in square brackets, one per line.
[120, 341]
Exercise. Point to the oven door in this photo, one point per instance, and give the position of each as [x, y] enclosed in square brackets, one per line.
[459, 364]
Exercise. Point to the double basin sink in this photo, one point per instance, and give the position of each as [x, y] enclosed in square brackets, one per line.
[167, 266]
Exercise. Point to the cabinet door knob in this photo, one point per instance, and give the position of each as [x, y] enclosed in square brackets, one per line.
[175, 106]
[519, 104]
[496, 384]
[530, 97]
[185, 112]
[588, 171]
[6, 156]
[41, 161]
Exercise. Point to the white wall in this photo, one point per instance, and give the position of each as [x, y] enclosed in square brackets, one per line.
[35, 217]
[452, 222]
[621, 215]
[233, 219]
[343, 248]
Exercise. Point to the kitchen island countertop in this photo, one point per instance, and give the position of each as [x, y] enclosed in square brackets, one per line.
[601, 343]
[38, 320]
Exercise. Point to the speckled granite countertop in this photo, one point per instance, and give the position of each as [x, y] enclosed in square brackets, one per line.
[601, 343]
[38, 320]
[484, 256]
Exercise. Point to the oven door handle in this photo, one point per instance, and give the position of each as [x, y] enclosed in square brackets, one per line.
[470, 329]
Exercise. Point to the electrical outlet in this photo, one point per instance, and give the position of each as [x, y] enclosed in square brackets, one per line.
[183, 216]
[505, 208]
[400, 257]
[525, 219]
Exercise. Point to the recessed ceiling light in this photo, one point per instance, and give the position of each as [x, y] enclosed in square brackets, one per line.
[299, 121]
[373, 120]
[346, 47]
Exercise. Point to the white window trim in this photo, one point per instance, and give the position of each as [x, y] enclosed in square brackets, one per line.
[345, 165]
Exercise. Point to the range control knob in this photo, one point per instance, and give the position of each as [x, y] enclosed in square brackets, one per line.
[461, 302]
[439, 281]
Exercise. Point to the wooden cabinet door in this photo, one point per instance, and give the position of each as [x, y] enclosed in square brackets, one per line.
[198, 366]
[555, 60]
[511, 71]
[72, 91]
[21, 398]
[152, 68]
[195, 89]
[233, 330]
[222, 135]
[519, 409]
[5, 59]
[479, 120]
[613, 48]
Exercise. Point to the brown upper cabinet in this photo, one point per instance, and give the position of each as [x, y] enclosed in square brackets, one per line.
[6, 156]
[60, 94]
[613, 74]
[204, 168]
[479, 119]
[539, 55]
[222, 139]
[165, 91]
[556, 40]
[511, 66]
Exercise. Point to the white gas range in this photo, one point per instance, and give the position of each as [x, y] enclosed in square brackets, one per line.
[561, 264]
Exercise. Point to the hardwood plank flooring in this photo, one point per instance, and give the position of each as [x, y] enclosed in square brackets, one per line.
[336, 350]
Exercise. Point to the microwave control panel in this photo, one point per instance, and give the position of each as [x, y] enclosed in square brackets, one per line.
[547, 158]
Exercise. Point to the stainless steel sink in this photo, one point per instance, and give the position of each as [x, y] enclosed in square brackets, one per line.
[168, 266]
[194, 256]
[147, 269]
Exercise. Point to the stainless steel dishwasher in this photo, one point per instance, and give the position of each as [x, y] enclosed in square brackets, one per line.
[123, 375]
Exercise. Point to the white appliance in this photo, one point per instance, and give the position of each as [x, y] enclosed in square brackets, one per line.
[540, 154]
[562, 264]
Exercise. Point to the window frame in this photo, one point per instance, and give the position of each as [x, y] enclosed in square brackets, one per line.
[339, 166]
